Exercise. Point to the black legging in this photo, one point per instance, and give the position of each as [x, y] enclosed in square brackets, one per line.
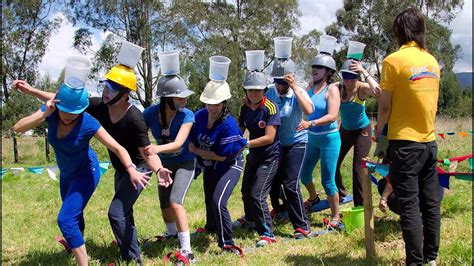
[361, 139]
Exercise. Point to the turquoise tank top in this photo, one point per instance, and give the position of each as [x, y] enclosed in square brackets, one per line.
[320, 109]
[353, 114]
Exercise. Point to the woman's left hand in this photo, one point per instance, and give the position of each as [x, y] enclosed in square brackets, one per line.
[164, 177]
[356, 66]
[303, 125]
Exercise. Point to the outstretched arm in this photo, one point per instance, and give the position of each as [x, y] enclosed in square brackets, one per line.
[154, 162]
[24, 87]
[172, 146]
[36, 118]
[137, 179]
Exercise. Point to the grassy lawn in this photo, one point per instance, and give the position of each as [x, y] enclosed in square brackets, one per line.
[30, 204]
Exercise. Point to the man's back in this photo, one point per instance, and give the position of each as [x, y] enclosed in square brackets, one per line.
[412, 75]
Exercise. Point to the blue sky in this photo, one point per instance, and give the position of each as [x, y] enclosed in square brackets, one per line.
[315, 15]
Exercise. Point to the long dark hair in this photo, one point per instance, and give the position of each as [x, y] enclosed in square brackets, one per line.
[163, 122]
[410, 26]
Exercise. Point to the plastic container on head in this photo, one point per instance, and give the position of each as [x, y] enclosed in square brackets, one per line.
[356, 50]
[169, 62]
[77, 70]
[327, 44]
[129, 54]
[218, 68]
[282, 47]
[255, 59]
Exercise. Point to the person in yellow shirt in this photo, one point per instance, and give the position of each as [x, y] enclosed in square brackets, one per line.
[410, 83]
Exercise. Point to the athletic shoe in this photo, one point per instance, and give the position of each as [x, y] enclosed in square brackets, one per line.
[242, 222]
[333, 224]
[233, 249]
[265, 241]
[179, 258]
[301, 234]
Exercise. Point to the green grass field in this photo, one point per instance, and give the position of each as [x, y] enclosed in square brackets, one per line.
[31, 202]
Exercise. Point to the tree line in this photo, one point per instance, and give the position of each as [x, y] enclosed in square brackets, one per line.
[199, 29]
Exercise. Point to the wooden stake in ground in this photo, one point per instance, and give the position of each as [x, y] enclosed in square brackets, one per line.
[368, 214]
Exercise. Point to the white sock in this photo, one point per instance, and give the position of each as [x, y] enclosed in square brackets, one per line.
[171, 228]
[185, 241]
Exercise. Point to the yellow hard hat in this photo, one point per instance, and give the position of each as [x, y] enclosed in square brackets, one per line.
[124, 76]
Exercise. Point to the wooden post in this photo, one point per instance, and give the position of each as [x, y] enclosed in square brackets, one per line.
[46, 145]
[368, 214]
[15, 147]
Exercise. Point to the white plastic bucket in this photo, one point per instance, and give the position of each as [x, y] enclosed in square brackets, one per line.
[77, 70]
[327, 44]
[282, 47]
[218, 68]
[255, 59]
[356, 50]
[129, 54]
[169, 62]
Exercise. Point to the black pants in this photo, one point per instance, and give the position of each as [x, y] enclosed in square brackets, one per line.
[415, 183]
[287, 182]
[218, 187]
[121, 217]
[256, 183]
[361, 139]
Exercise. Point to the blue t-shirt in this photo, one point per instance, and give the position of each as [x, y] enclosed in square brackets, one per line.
[74, 155]
[290, 114]
[151, 115]
[320, 103]
[224, 138]
[255, 121]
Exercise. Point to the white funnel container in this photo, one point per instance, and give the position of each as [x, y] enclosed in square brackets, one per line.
[356, 50]
[327, 44]
[169, 62]
[77, 70]
[129, 54]
[255, 59]
[219, 67]
[282, 47]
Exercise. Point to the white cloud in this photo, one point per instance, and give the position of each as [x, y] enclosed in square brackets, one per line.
[462, 35]
[60, 47]
[317, 14]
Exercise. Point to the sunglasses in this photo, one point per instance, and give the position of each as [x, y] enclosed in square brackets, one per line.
[318, 67]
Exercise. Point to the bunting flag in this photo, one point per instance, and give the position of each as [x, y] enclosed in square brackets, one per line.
[374, 180]
[4, 170]
[16, 170]
[463, 134]
[441, 135]
[35, 170]
[52, 172]
[383, 170]
[450, 133]
[103, 167]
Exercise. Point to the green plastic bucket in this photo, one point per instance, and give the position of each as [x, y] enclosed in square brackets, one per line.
[353, 218]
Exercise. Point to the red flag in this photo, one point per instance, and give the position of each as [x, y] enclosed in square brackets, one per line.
[441, 135]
